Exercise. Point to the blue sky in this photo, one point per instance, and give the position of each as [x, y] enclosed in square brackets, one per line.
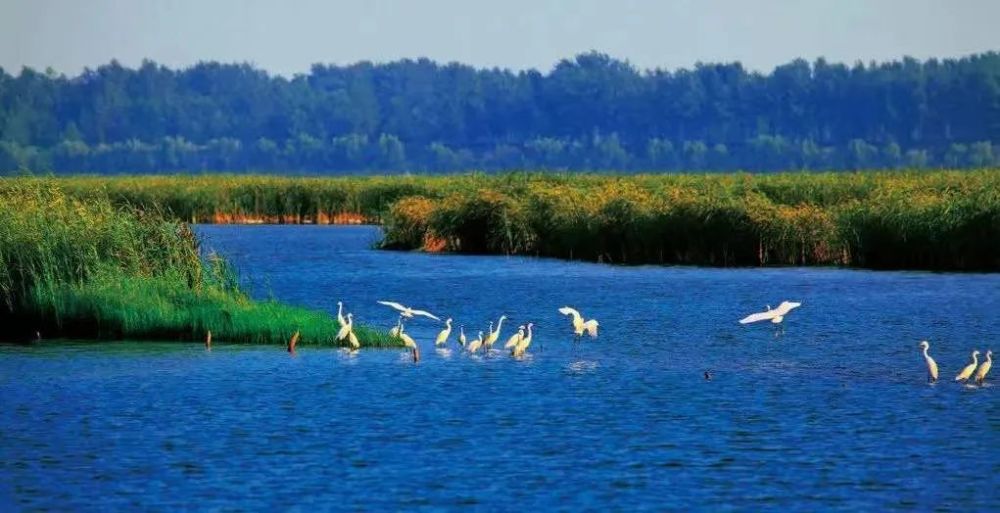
[286, 37]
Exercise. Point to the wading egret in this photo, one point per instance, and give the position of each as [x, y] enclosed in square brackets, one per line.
[340, 313]
[461, 336]
[445, 333]
[208, 340]
[515, 338]
[353, 339]
[522, 345]
[775, 316]
[346, 327]
[984, 369]
[932, 369]
[394, 332]
[407, 311]
[291, 343]
[476, 343]
[968, 370]
[494, 335]
[579, 325]
[410, 343]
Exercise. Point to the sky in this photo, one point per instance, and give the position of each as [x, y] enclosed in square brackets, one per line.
[286, 37]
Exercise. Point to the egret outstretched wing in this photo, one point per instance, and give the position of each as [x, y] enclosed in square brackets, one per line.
[761, 316]
[591, 327]
[785, 307]
[569, 311]
[425, 314]
[393, 304]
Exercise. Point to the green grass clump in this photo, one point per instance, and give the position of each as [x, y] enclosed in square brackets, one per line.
[84, 268]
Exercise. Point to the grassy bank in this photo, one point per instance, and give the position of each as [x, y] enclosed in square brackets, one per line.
[924, 220]
[85, 268]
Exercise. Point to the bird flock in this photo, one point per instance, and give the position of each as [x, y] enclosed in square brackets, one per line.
[974, 370]
[519, 342]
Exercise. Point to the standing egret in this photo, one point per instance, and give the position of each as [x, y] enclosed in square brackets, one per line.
[291, 343]
[984, 369]
[408, 312]
[523, 344]
[967, 371]
[340, 313]
[932, 369]
[208, 340]
[346, 327]
[410, 343]
[461, 336]
[353, 339]
[475, 344]
[775, 316]
[394, 332]
[494, 335]
[515, 338]
[579, 325]
[442, 337]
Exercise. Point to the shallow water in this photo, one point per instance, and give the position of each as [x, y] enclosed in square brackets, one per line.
[833, 414]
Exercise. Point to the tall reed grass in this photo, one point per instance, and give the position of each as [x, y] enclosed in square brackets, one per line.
[85, 268]
[918, 219]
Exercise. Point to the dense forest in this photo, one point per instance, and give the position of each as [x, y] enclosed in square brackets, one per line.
[590, 112]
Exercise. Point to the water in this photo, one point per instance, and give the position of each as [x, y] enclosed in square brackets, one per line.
[834, 414]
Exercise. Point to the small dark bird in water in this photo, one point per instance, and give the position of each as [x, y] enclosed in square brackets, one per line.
[292, 342]
[708, 375]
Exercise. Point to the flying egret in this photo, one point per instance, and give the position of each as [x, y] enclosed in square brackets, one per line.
[442, 337]
[775, 316]
[407, 311]
[967, 371]
[515, 338]
[984, 369]
[932, 369]
[476, 343]
[579, 325]
[461, 336]
[523, 344]
[340, 313]
[346, 327]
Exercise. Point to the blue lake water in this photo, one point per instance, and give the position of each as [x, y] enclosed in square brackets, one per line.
[833, 414]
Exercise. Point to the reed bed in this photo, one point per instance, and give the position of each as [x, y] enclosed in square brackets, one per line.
[85, 268]
[910, 219]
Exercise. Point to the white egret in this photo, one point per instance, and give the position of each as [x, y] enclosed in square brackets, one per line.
[932, 368]
[408, 312]
[292, 342]
[984, 369]
[969, 369]
[494, 335]
[515, 338]
[775, 316]
[353, 339]
[522, 345]
[442, 337]
[346, 327]
[579, 325]
[340, 313]
[461, 336]
[476, 343]
[394, 332]
[409, 343]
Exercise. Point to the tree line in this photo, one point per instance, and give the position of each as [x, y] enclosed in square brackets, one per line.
[590, 112]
